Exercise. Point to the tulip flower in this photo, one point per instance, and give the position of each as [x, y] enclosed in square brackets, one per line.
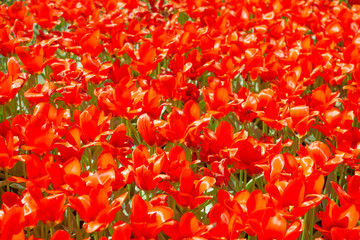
[92, 122]
[9, 148]
[148, 169]
[191, 190]
[95, 72]
[148, 219]
[47, 14]
[351, 196]
[95, 209]
[11, 82]
[61, 234]
[18, 10]
[33, 58]
[145, 59]
[73, 94]
[40, 93]
[344, 218]
[12, 223]
[321, 155]
[249, 154]
[189, 227]
[50, 209]
[292, 198]
[8, 43]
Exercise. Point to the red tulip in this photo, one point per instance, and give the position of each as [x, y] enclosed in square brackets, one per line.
[73, 94]
[353, 191]
[292, 198]
[145, 59]
[50, 209]
[344, 217]
[147, 219]
[92, 122]
[8, 43]
[217, 100]
[95, 209]
[11, 82]
[147, 130]
[249, 154]
[122, 231]
[40, 93]
[322, 98]
[95, 71]
[300, 119]
[320, 153]
[42, 129]
[18, 10]
[191, 190]
[33, 58]
[269, 109]
[148, 169]
[47, 14]
[12, 224]
[268, 224]
[35, 171]
[177, 163]
[90, 43]
[119, 144]
[224, 223]
[189, 227]
[9, 148]
[61, 235]
[120, 74]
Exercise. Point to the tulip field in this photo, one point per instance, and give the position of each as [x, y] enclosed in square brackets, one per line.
[179, 119]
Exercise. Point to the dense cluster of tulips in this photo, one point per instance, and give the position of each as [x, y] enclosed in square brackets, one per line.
[196, 119]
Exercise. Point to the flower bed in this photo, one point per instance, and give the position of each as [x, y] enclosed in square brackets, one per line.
[206, 119]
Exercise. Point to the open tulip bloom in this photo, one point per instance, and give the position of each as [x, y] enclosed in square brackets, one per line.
[169, 119]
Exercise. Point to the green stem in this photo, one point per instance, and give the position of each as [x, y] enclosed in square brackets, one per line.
[294, 145]
[24, 170]
[235, 180]
[6, 179]
[342, 169]
[132, 130]
[148, 195]
[132, 189]
[69, 221]
[112, 123]
[264, 128]
[262, 180]
[28, 232]
[89, 151]
[158, 68]
[249, 129]
[78, 234]
[46, 231]
[51, 230]
[152, 150]
[305, 232]
[311, 223]
[42, 227]
[245, 179]
[251, 237]
[240, 180]
[275, 136]
[97, 150]
[253, 183]
[47, 73]
[36, 79]
[20, 108]
[4, 112]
